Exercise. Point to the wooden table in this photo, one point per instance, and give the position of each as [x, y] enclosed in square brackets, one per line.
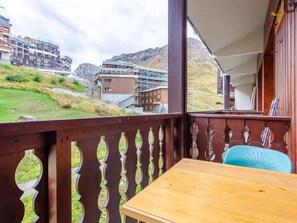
[199, 191]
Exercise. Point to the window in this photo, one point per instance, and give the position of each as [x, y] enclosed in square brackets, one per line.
[5, 39]
[107, 89]
[107, 80]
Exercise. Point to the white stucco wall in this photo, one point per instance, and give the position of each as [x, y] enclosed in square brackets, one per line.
[243, 95]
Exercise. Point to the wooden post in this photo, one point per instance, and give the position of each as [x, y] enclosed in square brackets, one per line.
[169, 144]
[226, 92]
[59, 179]
[177, 63]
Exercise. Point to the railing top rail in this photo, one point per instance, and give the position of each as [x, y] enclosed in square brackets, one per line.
[228, 111]
[249, 116]
[16, 128]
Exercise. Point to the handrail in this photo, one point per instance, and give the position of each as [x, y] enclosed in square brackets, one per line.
[251, 117]
[14, 128]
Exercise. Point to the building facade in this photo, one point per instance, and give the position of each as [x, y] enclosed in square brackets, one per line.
[39, 54]
[155, 99]
[5, 42]
[119, 80]
[148, 78]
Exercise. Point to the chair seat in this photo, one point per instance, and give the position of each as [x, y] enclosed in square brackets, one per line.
[257, 157]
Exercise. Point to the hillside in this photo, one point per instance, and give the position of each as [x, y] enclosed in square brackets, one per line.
[202, 73]
[30, 92]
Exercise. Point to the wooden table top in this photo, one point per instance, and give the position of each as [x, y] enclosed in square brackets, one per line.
[199, 191]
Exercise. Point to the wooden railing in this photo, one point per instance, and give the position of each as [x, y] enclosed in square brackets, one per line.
[211, 135]
[52, 141]
[230, 112]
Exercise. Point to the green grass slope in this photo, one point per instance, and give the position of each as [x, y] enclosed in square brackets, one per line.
[25, 91]
[15, 103]
[202, 87]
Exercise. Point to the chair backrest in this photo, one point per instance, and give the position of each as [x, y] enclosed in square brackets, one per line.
[257, 157]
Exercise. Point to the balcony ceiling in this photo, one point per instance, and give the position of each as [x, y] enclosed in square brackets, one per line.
[233, 30]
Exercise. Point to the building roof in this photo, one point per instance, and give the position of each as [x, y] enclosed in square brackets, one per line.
[156, 88]
[124, 63]
[150, 69]
[118, 62]
[118, 75]
[4, 21]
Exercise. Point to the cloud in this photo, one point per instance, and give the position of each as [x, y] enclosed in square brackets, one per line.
[92, 31]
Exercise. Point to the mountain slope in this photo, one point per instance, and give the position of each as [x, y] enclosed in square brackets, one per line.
[202, 72]
[158, 57]
[86, 70]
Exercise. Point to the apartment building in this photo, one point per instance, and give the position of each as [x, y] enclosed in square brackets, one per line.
[155, 99]
[120, 80]
[148, 78]
[5, 42]
[39, 54]
[117, 80]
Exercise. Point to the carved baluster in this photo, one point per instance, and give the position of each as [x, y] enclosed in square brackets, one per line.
[161, 155]
[217, 145]
[178, 153]
[89, 179]
[202, 139]
[40, 199]
[255, 127]
[210, 133]
[278, 129]
[11, 207]
[130, 167]
[246, 135]
[236, 125]
[194, 149]
[227, 138]
[113, 176]
[151, 139]
[155, 153]
[168, 148]
[144, 158]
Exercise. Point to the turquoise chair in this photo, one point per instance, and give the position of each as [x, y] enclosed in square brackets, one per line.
[257, 157]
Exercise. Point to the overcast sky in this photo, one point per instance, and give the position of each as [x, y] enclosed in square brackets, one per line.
[91, 30]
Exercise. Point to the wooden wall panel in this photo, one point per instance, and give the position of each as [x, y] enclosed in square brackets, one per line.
[268, 71]
[260, 90]
[285, 74]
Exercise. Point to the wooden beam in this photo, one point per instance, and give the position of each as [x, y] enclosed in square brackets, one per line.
[177, 56]
[226, 92]
[273, 6]
[177, 67]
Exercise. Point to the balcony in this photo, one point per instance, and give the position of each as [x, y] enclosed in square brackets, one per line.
[208, 137]
[153, 143]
